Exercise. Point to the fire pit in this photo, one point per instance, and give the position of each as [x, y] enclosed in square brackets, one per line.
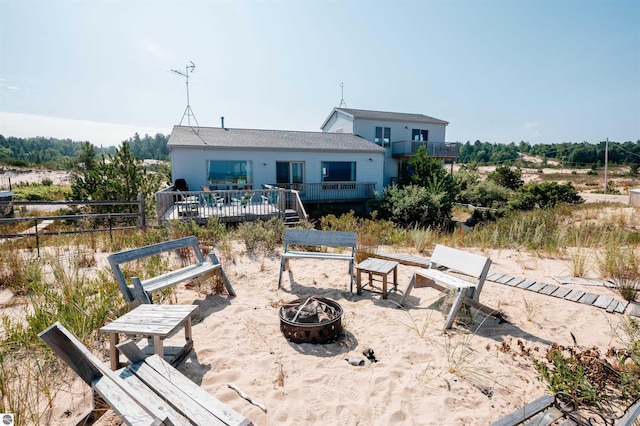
[311, 320]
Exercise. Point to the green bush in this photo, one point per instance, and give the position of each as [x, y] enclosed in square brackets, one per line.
[425, 207]
[486, 194]
[504, 176]
[544, 195]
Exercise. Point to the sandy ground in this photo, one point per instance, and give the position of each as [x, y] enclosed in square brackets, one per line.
[423, 376]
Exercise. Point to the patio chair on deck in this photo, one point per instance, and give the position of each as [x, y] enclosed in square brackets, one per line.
[244, 201]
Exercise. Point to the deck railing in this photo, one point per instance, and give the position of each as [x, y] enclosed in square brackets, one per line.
[331, 192]
[228, 205]
[434, 149]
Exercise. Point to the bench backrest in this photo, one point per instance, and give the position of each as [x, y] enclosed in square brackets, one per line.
[312, 237]
[466, 263]
[116, 259]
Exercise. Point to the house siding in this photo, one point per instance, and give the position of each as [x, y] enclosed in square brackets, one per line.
[191, 164]
[339, 122]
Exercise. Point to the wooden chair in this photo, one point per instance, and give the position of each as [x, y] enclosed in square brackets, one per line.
[456, 260]
[147, 392]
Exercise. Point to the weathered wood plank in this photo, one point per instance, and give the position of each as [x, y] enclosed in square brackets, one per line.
[196, 404]
[588, 298]
[574, 295]
[494, 276]
[561, 292]
[622, 306]
[526, 284]
[504, 279]
[515, 281]
[522, 414]
[548, 289]
[602, 301]
[537, 286]
[404, 259]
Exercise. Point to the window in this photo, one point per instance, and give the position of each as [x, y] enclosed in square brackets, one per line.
[289, 172]
[420, 135]
[383, 136]
[229, 171]
[338, 171]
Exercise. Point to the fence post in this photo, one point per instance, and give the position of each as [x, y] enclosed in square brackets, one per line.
[110, 230]
[35, 221]
[142, 221]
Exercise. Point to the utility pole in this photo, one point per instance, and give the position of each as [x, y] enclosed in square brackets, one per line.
[606, 166]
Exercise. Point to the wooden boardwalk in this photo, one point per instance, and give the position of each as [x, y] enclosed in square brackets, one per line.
[608, 303]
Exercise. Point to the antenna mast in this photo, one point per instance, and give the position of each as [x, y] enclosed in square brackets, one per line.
[342, 102]
[188, 112]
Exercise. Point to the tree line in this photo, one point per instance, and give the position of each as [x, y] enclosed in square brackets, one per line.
[60, 154]
[572, 154]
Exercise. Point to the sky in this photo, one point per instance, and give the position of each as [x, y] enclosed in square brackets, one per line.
[540, 71]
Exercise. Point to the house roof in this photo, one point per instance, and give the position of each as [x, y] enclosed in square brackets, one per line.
[186, 136]
[386, 116]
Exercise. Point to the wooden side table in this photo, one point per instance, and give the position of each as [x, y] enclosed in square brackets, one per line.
[152, 321]
[380, 267]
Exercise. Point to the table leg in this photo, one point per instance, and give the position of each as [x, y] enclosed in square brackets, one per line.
[359, 281]
[395, 278]
[158, 347]
[187, 328]
[384, 286]
[114, 353]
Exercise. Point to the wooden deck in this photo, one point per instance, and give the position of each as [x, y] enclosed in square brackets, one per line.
[200, 212]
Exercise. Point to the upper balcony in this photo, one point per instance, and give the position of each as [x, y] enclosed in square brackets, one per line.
[443, 150]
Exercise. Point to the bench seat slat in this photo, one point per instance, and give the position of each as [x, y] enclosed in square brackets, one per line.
[178, 276]
[181, 393]
[318, 255]
[445, 278]
[124, 406]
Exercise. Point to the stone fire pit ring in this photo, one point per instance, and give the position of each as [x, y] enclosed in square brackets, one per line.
[312, 319]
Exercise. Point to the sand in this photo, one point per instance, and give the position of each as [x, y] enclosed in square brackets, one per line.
[424, 376]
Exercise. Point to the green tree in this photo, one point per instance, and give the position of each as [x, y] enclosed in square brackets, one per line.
[116, 177]
[543, 195]
[504, 176]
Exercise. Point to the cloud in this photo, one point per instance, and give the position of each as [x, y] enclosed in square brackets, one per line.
[531, 125]
[28, 125]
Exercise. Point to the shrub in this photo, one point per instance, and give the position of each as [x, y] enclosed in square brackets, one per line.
[504, 176]
[486, 194]
[417, 206]
[544, 195]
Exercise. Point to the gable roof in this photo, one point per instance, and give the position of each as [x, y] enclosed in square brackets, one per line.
[186, 136]
[385, 116]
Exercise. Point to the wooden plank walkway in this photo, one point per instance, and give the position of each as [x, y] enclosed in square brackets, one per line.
[608, 303]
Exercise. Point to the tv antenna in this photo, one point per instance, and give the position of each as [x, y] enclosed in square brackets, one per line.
[342, 102]
[188, 112]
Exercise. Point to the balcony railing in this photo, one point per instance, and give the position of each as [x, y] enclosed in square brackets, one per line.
[434, 149]
[332, 192]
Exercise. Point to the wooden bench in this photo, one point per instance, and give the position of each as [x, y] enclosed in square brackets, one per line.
[310, 237]
[546, 410]
[141, 290]
[456, 260]
[147, 392]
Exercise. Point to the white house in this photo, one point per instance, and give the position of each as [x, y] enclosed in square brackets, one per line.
[315, 163]
[400, 134]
